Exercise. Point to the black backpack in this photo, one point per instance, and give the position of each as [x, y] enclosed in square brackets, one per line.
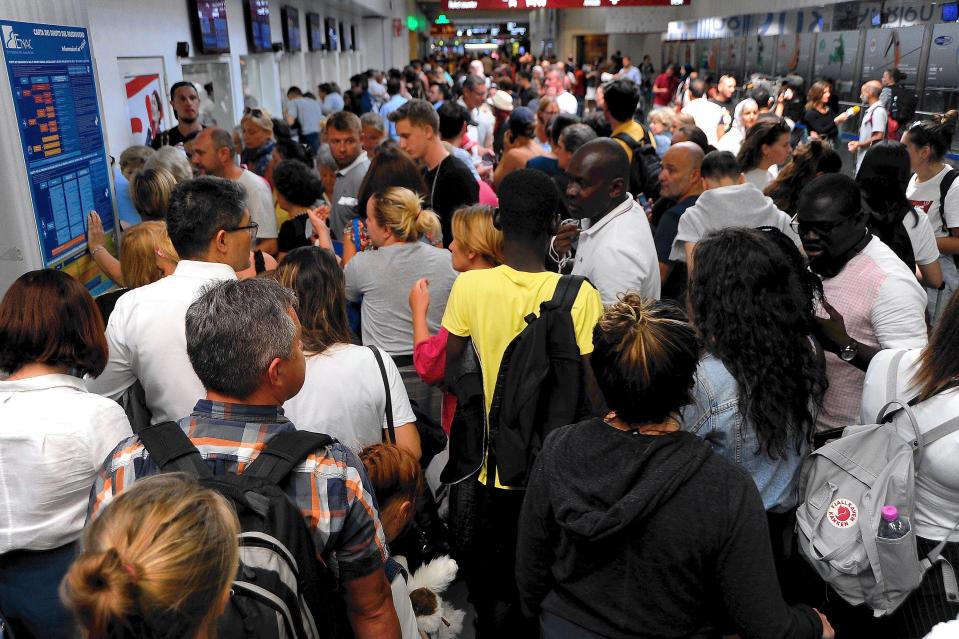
[902, 107]
[281, 588]
[539, 386]
[643, 168]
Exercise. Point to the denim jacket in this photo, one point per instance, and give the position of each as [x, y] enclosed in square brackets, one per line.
[714, 416]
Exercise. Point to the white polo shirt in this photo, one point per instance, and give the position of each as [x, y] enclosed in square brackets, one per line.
[259, 202]
[617, 254]
[147, 339]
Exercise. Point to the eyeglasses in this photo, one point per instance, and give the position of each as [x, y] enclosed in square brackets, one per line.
[819, 228]
[250, 228]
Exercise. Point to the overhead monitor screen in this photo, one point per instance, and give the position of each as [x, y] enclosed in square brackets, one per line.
[210, 26]
[314, 32]
[61, 135]
[291, 28]
[332, 35]
[258, 25]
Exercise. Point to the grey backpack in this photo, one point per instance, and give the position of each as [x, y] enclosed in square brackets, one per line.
[843, 486]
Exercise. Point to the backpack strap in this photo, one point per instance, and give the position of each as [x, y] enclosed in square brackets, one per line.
[173, 451]
[944, 187]
[635, 145]
[389, 400]
[892, 376]
[259, 263]
[284, 452]
[567, 289]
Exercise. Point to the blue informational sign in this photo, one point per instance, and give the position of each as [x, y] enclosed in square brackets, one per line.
[55, 97]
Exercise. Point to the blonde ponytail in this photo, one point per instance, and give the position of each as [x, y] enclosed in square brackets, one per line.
[401, 211]
[156, 562]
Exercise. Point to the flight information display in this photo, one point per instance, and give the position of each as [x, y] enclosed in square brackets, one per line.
[54, 94]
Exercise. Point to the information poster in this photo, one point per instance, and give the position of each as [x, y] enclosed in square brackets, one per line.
[54, 95]
[145, 107]
[836, 59]
[943, 70]
[892, 48]
[794, 54]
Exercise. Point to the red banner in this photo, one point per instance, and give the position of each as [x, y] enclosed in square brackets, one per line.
[525, 5]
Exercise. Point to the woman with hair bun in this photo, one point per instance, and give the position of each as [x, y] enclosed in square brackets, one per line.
[629, 522]
[381, 279]
[137, 579]
[927, 142]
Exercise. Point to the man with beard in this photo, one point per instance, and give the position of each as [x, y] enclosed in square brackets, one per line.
[872, 300]
[186, 106]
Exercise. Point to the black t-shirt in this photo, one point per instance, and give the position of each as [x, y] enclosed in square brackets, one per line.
[821, 123]
[450, 186]
[107, 301]
[674, 288]
[170, 137]
[293, 234]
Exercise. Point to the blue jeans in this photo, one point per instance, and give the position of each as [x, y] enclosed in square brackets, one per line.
[29, 601]
[313, 140]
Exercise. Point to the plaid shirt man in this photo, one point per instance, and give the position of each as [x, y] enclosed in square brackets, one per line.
[330, 488]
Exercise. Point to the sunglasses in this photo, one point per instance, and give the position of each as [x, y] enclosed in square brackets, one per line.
[819, 228]
[256, 113]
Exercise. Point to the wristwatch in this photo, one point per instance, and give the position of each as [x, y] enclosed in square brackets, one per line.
[849, 353]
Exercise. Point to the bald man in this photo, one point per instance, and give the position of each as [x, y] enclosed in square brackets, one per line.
[616, 250]
[679, 180]
[213, 154]
[872, 128]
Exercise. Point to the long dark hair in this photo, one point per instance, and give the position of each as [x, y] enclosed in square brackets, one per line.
[391, 167]
[313, 274]
[751, 299]
[882, 179]
[810, 159]
[939, 362]
[764, 132]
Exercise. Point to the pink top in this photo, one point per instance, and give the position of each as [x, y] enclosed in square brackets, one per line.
[429, 359]
[487, 195]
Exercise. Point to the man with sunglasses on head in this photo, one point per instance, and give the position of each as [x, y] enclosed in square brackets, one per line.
[872, 300]
[211, 230]
[213, 154]
[186, 107]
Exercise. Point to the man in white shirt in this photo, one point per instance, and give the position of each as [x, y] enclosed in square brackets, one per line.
[377, 88]
[708, 116]
[474, 99]
[616, 252]
[872, 128]
[212, 232]
[213, 154]
[873, 300]
[556, 86]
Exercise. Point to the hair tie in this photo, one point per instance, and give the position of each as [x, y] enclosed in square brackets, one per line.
[130, 570]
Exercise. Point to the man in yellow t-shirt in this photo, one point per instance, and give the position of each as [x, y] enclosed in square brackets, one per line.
[489, 306]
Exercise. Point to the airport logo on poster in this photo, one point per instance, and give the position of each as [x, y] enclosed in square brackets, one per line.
[12, 40]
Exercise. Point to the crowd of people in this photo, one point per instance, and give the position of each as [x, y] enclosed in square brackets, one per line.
[579, 327]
